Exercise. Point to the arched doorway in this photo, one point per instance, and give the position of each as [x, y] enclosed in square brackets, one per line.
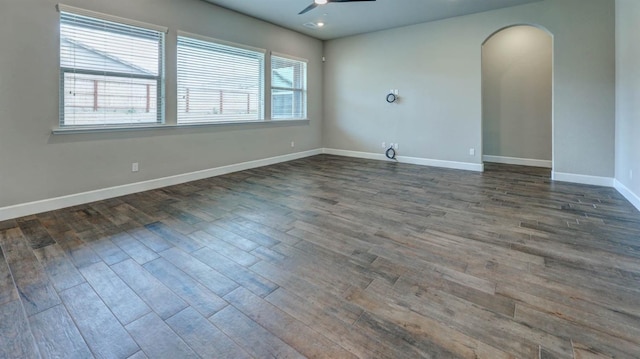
[517, 97]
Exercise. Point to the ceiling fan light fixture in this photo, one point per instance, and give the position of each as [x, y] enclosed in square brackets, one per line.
[320, 2]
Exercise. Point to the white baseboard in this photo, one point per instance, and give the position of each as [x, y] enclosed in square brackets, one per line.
[477, 167]
[582, 179]
[628, 194]
[517, 161]
[51, 204]
[356, 154]
[26, 209]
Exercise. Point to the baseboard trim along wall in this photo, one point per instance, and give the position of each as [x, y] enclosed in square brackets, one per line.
[26, 209]
[477, 167]
[628, 194]
[517, 161]
[582, 179]
[51, 204]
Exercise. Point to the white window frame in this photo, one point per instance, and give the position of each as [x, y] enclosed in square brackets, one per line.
[302, 90]
[160, 78]
[250, 51]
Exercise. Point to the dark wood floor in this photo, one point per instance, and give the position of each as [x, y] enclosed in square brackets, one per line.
[329, 257]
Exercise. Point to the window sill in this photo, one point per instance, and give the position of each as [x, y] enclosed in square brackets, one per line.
[96, 129]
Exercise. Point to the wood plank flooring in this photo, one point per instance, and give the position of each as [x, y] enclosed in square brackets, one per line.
[329, 257]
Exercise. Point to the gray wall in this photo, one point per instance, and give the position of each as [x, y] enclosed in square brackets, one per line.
[628, 94]
[437, 69]
[516, 93]
[34, 164]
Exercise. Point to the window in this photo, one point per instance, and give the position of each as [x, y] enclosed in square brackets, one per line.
[218, 81]
[111, 70]
[288, 88]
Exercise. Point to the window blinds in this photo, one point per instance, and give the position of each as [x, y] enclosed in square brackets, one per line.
[218, 81]
[288, 88]
[111, 73]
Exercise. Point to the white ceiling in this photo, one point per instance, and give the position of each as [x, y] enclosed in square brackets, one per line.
[344, 19]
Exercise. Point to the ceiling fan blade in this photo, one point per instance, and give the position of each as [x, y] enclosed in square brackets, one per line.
[308, 8]
[314, 5]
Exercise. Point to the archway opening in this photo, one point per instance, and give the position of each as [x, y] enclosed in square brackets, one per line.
[517, 97]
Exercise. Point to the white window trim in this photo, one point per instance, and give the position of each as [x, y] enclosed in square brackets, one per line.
[221, 42]
[75, 130]
[305, 90]
[268, 121]
[290, 57]
[112, 18]
[129, 22]
[217, 41]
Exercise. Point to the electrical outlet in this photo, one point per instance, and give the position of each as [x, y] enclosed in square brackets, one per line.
[395, 92]
[472, 152]
[396, 146]
[630, 174]
[384, 145]
[293, 144]
[134, 167]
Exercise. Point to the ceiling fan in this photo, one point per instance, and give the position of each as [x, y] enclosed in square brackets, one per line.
[322, 2]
